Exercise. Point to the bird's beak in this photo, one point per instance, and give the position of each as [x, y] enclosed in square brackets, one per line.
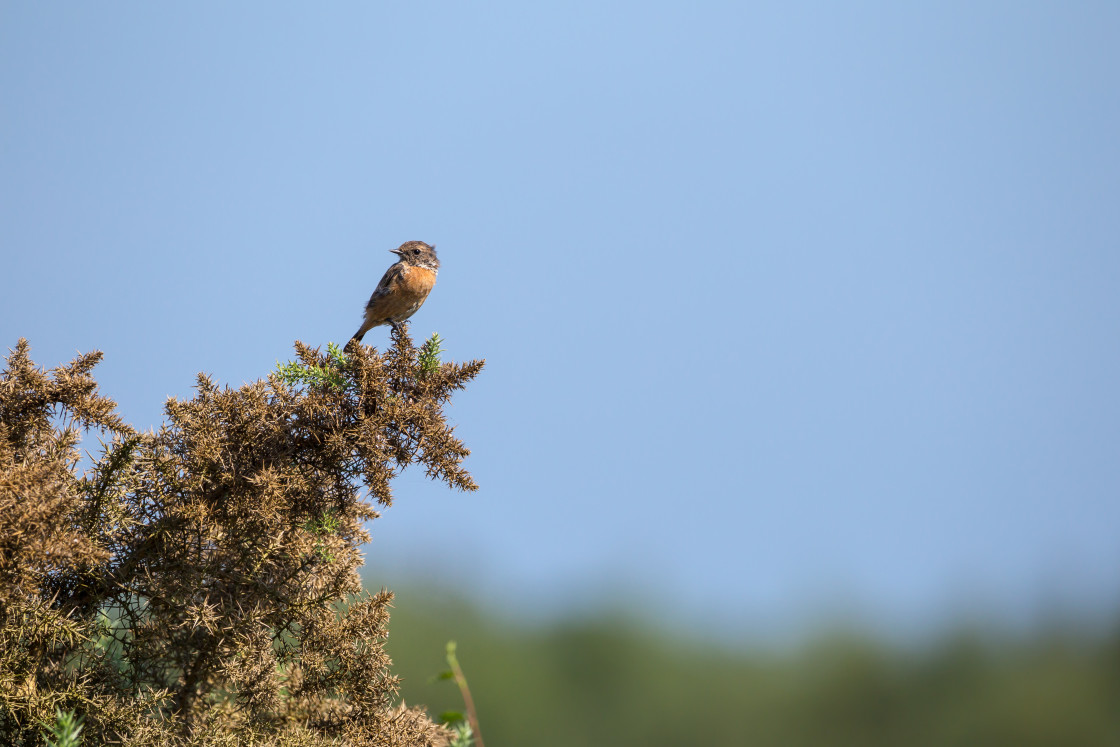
[397, 252]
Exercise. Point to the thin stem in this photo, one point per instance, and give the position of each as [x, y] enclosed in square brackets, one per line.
[461, 681]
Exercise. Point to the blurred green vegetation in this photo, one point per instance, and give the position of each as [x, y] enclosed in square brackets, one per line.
[611, 682]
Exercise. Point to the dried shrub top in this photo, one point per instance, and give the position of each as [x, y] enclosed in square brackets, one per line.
[201, 581]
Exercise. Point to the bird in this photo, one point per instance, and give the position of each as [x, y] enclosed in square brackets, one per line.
[403, 287]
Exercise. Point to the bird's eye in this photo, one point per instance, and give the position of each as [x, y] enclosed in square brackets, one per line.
[415, 251]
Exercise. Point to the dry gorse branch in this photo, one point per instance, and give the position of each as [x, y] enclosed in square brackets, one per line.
[198, 585]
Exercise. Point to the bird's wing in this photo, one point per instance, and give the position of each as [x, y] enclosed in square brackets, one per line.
[392, 276]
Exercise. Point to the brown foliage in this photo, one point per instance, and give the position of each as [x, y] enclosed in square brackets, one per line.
[198, 585]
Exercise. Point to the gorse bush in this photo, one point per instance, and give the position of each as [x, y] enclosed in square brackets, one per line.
[198, 584]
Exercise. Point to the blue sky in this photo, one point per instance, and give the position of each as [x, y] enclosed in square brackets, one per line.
[788, 309]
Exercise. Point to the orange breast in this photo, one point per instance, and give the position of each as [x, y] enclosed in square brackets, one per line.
[404, 296]
[417, 281]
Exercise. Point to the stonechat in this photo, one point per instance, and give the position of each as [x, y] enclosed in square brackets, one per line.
[403, 287]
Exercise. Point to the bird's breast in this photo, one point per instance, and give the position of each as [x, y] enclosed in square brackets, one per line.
[403, 295]
[417, 281]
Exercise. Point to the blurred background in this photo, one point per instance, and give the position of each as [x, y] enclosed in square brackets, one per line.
[799, 423]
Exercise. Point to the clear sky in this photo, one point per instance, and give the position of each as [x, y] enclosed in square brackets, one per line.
[786, 307]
